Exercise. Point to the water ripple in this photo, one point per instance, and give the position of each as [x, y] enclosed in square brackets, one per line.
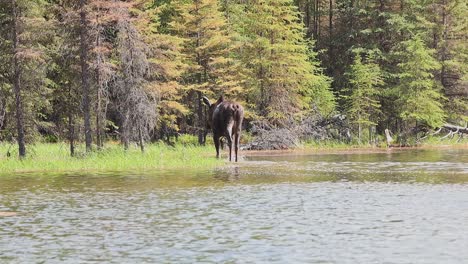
[338, 209]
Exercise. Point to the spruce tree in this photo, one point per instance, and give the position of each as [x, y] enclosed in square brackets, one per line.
[281, 79]
[362, 102]
[24, 37]
[418, 92]
[166, 65]
[206, 48]
[449, 38]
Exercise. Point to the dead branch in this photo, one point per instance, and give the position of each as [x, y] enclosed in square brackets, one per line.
[456, 129]
[453, 130]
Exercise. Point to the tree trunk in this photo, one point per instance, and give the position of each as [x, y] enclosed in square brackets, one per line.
[359, 129]
[457, 129]
[200, 119]
[359, 132]
[199, 81]
[2, 109]
[330, 31]
[85, 74]
[99, 89]
[71, 123]
[98, 118]
[318, 22]
[71, 134]
[17, 85]
[307, 19]
[124, 133]
[140, 138]
[316, 18]
[443, 70]
[330, 18]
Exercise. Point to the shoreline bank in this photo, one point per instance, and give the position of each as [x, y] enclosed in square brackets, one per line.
[53, 158]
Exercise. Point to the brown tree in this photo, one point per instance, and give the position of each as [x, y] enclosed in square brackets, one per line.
[85, 84]
[17, 80]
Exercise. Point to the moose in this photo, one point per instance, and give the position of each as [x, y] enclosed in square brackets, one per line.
[225, 119]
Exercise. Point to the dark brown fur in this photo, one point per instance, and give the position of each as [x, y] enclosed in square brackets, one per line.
[225, 119]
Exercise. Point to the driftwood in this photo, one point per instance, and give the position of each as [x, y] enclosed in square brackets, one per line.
[453, 130]
[388, 137]
[274, 139]
[268, 137]
[456, 129]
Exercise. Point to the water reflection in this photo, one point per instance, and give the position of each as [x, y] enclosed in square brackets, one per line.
[392, 207]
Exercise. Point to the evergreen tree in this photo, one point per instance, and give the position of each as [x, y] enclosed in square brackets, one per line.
[85, 72]
[206, 48]
[166, 66]
[67, 71]
[24, 37]
[450, 33]
[104, 15]
[418, 93]
[281, 79]
[363, 105]
[137, 108]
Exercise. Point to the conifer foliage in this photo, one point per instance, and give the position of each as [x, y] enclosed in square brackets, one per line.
[207, 45]
[280, 76]
[363, 106]
[418, 93]
[23, 60]
[90, 71]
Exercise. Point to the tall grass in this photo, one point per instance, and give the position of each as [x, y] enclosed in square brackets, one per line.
[56, 157]
[334, 144]
[431, 141]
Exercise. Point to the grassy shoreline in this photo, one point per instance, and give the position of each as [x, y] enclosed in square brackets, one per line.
[54, 157]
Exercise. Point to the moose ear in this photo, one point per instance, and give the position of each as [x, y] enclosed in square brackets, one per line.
[206, 101]
[220, 100]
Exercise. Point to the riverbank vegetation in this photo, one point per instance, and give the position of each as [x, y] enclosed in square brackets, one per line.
[55, 158]
[186, 154]
[134, 71]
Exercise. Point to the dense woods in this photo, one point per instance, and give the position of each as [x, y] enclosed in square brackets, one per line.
[136, 70]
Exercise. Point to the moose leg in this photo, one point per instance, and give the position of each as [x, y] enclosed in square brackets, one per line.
[216, 142]
[236, 143]
[204, 136]
[229, 142]
[229, 139]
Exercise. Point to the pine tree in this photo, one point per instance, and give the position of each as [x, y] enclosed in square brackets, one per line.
[363, 106]
[418, 93]
[104, 15]
[166, 63]
[138, 109]
[281, 78]
[85, 72]
[24, 55]
[207, 49]
[450, 33]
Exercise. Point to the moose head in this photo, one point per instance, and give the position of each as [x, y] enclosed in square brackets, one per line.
[225, 119]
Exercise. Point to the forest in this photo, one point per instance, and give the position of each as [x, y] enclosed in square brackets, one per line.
[135, 71]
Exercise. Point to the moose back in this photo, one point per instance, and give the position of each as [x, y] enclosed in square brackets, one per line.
[225, 119]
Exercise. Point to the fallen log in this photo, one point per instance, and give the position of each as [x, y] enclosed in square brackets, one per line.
[456, 129]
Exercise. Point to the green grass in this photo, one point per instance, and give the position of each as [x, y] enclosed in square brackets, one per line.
[434, 141]
[55, 158]
[333, 144]
[437, 141]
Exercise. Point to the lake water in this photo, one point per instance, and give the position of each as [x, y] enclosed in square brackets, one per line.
[391, 207]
